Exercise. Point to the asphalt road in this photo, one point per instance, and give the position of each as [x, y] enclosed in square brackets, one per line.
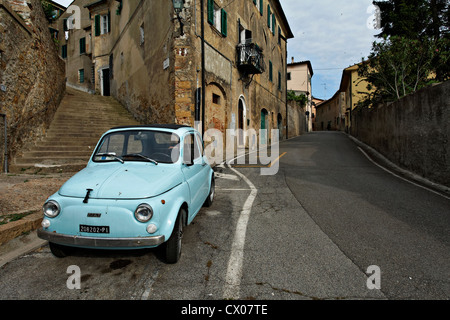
[309, 232]
[373, 217]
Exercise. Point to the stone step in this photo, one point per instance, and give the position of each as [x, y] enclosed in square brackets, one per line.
[78, 124]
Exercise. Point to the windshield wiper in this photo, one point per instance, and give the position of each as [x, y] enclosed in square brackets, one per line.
[110, 155]
[142, 156]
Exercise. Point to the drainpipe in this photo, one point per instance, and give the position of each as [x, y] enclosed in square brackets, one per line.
[6, 142]
[202, 18]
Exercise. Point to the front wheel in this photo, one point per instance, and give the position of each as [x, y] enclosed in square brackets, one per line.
[173, 245]
[59, 251]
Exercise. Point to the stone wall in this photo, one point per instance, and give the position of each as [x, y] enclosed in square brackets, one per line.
[32, 74]
[413, 133]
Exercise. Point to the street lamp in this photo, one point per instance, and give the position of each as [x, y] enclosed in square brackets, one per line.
[178, 5]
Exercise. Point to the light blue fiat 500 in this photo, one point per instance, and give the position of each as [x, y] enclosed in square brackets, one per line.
[141, 187]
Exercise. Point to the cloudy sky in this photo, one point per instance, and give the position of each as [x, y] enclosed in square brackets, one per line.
[331, 34]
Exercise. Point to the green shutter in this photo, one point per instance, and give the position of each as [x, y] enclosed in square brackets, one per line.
[81, 74]
[261, 6]
[109, 22]
[211, 11]
[97, 25]
[274, 22]
[270, 71]
[279, 80]
[254, 1]
[82, 45]
[268, 15]
[224, 23]
[64, 51]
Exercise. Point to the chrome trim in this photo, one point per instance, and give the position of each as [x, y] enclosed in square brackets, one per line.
[100, 242]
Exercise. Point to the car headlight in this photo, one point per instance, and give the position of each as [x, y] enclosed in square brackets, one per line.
[51, 209]
[143, 213]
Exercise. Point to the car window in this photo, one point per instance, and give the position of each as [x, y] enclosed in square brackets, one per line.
[133, 145]
[191, 145]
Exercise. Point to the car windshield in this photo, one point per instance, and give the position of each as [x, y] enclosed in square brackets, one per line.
[145, 145]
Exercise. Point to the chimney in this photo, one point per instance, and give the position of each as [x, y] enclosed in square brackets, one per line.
[293, 61]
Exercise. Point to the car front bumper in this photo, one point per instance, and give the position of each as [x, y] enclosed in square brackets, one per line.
[96, 242]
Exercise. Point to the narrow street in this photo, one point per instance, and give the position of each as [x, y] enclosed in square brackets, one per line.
[309, 232]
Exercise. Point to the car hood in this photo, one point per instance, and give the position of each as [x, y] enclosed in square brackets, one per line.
[122, 181]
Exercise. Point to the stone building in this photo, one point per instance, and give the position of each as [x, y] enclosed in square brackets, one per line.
[219, 62]
[299, 75]
[336, 113]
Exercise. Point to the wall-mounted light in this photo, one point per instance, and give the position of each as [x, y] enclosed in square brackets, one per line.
[178, 5]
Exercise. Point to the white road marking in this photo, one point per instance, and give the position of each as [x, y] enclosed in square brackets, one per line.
[395, 175]
[235, 263]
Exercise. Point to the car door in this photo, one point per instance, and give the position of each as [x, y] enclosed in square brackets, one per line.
[194, 170]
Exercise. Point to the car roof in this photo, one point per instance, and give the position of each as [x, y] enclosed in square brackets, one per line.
[156, 126]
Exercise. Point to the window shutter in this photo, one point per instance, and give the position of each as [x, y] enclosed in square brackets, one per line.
[268, 15]
[274, 22]
[270, 71]
[261, 6]
[254, 1]
[97, 25]
[224, 23]
[109, 22]
[82, 45]
[211, 11]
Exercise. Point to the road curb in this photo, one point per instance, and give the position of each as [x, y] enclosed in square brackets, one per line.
[15, 229]
[384, 162]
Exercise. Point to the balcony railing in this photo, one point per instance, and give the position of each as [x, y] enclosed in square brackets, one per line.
[250, 58]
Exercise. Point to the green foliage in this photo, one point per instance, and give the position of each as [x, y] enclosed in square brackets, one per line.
[48, 10]
[397, 67]
[300, 99]
[414, 50]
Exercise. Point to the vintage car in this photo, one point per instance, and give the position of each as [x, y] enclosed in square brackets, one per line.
[141, 187]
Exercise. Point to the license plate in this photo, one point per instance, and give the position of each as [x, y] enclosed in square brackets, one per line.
[94, 229]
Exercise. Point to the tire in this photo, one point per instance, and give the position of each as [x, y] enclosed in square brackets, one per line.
[58, 250]
[173, 245]
[209, 200]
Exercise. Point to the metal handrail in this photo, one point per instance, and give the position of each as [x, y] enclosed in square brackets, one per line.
[251, 54]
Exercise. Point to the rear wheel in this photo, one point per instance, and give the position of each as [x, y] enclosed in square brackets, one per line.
[212, 190]
[173, 245]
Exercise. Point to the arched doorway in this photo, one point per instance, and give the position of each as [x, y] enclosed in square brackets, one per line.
[280, 126]
[242, 110]
[264, 125]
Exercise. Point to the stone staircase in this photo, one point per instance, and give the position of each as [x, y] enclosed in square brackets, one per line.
[78, 124]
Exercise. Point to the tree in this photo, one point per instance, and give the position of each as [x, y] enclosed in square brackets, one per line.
[301, 99]
[414, 19]
[425, 20]
[396, 67]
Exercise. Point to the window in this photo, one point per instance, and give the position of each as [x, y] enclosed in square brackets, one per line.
[191, 150]
[81, 75]
[217, 17]
[82, 45]
[288, 76]
[216, 99]
[102, 24]
[259, 5]
[271, 20]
